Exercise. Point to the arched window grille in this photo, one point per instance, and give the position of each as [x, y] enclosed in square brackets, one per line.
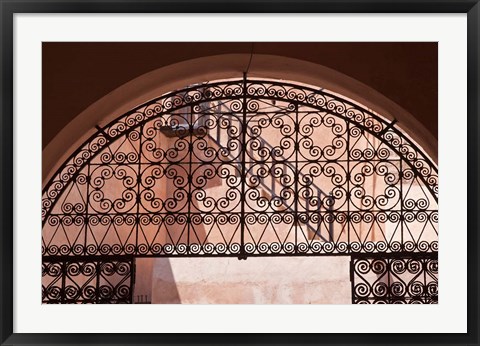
[244, 167]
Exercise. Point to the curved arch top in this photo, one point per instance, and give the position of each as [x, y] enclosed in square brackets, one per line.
[176, 76]
[243, 167]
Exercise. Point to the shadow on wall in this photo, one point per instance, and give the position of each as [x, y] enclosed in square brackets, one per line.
[165, 284]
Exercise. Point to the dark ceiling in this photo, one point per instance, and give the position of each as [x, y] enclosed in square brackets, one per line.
[75, 75]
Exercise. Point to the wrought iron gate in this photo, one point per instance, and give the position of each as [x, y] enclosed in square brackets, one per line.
[243, 168]
[394, 278]
[88, 279]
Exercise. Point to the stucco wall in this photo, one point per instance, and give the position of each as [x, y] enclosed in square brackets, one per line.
[257, 280]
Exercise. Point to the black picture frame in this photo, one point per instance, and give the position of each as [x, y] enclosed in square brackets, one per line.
[11, 7]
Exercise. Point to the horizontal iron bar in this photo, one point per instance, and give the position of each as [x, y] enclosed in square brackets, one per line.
[380, 255]
[388, 255]
[87, 258]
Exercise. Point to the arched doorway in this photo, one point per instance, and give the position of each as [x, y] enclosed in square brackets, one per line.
[240, 168]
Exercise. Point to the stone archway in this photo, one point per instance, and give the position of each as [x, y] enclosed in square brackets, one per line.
[176, 76]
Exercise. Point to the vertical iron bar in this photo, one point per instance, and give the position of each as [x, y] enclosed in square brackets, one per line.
[389, 286]
[319, 211]
[273, 184]
[330, 226]
[137, 217]
[348, 188]
[352, 277]
[296, 177]
[401, 205]
[307, 202]
[190, 175]
[242, 254]
[64, 275]
[139, 179]
[218, 118]
[132, 278]
[97, 272]
[424, 263]
[87, 201]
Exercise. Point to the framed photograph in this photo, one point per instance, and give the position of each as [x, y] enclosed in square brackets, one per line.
[239, 173]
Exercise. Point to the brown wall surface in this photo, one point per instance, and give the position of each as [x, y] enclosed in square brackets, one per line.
[76, 74]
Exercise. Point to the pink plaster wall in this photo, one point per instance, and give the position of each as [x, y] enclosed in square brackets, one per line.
[280, 280]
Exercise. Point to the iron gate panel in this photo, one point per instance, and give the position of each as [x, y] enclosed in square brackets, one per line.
[394, 278]
[88, 280]
[243, 168]
[304, 172]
